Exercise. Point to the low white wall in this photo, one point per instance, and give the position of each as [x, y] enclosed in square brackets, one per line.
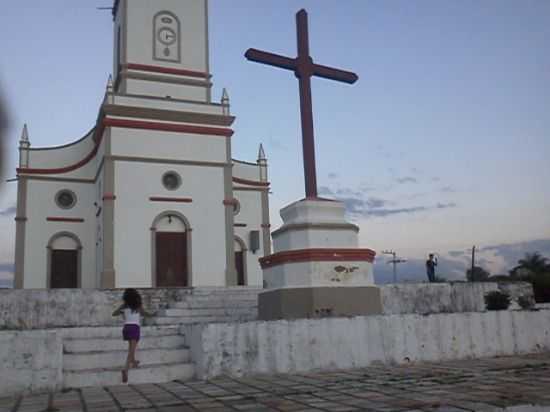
[341, 343]
[424, 298]
[30, 361]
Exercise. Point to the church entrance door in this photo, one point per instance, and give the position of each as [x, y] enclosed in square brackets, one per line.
[171, 253]
[239, 266]
[64, 269]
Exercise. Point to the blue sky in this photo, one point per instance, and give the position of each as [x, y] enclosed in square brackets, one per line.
[443, 143]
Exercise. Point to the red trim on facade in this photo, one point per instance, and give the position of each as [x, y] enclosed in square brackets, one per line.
[250, 182]
[109, 196]
[171, 199]
[65, 219]
[168, 127]
[167, 70]
[318, 255]
[230, 202]
[70, 168]
[240, 225]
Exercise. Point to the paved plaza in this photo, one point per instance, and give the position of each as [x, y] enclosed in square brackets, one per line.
[508, 383]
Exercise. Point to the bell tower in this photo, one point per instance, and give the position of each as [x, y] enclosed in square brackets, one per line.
[161, 49]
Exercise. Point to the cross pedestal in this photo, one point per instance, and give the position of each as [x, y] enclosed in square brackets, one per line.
[317, 268]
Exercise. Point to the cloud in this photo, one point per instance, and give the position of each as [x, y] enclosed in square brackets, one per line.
[445, 205]
[510, 253]
[325, 191]
[407, 179]
[333, 176]
[436, 179]
[10, 211]
[456, 253]
[447, 189]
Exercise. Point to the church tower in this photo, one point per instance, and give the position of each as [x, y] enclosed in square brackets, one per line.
[171, 149]
[161, 48]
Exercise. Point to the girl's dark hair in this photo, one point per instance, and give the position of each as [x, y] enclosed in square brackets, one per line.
[132, 299]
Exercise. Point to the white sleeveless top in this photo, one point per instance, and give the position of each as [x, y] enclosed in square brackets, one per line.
[131, 317]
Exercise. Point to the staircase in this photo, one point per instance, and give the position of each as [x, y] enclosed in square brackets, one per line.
[96, 356]
[214, 305]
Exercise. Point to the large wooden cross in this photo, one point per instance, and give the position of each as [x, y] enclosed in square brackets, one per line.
[304, 68]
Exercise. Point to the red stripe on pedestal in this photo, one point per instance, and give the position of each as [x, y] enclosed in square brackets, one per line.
[318, 255]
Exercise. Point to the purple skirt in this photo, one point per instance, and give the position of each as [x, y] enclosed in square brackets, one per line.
[130, 332]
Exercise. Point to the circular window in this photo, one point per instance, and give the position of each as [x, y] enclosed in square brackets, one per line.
[236, 207]
[65, 199]
[171, 180]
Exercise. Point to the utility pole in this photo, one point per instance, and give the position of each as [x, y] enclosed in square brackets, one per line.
[395, 260]
[473, 263]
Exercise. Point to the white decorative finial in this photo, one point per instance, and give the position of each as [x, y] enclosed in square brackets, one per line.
[225, 102]
[261, 153]
[24, 145]
[24, 134]
[110, 84]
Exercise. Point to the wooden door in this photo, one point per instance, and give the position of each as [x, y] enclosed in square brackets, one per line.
[171, 251]
[239, 266]
[64, 269]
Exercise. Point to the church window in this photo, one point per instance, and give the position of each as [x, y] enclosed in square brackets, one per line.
[65, 199]
[171, 180]
[236, 207]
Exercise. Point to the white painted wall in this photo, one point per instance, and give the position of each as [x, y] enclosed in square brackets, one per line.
[60, 156]
[251, 215]
[135, 213]
[169, 104]
[40, 205]
[343, 343]
[174, 91]
[168, 145]
[244, 170]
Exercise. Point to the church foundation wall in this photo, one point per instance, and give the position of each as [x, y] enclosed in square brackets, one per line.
[344, 343]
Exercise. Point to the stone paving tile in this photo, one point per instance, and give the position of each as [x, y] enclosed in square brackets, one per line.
[487, 385]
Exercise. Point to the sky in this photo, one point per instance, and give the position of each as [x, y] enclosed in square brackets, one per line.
[442, 144]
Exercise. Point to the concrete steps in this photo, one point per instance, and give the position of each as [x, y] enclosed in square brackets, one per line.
[156, 373]
[210, 306]
[96, 356]
[117, 359]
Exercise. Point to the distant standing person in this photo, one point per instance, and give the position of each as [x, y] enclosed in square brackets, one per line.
[431, 263]
[132, 310]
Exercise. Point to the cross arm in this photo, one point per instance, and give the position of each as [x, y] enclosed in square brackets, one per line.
[335, 74]
[272, 59]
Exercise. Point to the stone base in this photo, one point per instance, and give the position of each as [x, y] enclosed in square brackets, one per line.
[319, 302]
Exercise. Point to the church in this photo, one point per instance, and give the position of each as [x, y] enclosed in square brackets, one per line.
[151, 196]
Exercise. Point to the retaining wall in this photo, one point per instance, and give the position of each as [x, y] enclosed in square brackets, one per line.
[344, 343]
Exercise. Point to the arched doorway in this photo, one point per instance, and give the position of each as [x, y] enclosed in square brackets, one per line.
[240, 261]
[64, 257]
[171, 250]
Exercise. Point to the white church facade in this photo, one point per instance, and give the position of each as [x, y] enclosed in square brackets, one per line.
[151, 196]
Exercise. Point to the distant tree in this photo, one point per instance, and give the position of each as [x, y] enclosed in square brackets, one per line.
[532, 263]
[479, 274]
[535, 269]
[439, 279]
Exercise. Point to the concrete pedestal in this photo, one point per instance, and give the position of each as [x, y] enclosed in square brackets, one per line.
[317, 269]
